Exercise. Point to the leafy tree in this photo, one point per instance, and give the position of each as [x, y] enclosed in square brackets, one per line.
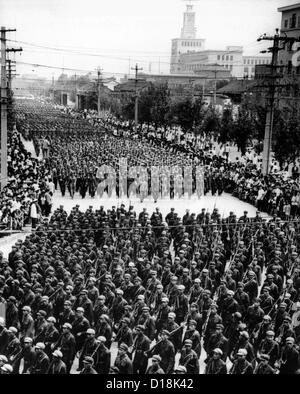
[243, 129]
[226, 126]
[287, 139]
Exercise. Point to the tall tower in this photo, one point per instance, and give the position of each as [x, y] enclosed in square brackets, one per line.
[189, 26]
[188, 41]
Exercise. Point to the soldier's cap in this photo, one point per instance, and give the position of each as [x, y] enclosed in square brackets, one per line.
[242, 352]
[28, 340]
[42, 313]
[140, 259]
[119, 291]
[185, 270]
[88, 360]
[3, 358]
[26, 308]
[101, 339]
[270, 276]
[67, 325]
[193, 322]
[181, 368]
[197, 280]
[251, 273]
[287, 319]
[205, 271]
[140, 327]
[156, 357]
[40, 345]
[177, 258]
[159, 286]
[165, 332]
[57, 353]
[283, 305]
[265, 357]
[105, 246]
[13, 330]
[69, 287]
[165, 299]
[174, 277]
[172, 315]
[230, 292]
[7, 368]
[114, 369]
[244, 334]
[219, 327]
[188, 342]
[128, 307]
[79, 309]
[218, 351]
[180, 287]
[266, 288]
[141, 297]
[290, 340]
[67, 302]
[83, 291]
[90, 331]
[124, 347]
[12, 299]
[240, 284]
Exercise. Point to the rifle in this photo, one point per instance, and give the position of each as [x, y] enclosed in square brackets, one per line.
[171, 333]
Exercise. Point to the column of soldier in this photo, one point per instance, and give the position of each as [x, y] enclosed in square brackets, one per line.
[78, 148]
[164, 291]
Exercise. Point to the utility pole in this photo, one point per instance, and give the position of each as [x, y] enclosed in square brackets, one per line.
[99, 84]
[136, 108]
[274, 75]
[4, 105]
[215, 88]
[75, 92]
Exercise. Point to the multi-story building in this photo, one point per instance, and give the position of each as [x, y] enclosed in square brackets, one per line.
[187, 42]
[251, 61]
[189, 55]
[290, 27]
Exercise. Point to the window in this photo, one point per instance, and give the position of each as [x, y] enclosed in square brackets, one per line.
[253, 69]
[299, 21]
[227, 57]
[293, 20]
[223, 57]
[219, 57]
[231, 67]
[245, 69]
[252, 61]
[245, 61]
[286, 23]
[248, 61]
[231, 57]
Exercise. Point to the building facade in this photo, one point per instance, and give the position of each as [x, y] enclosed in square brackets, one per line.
[188, 53]
[250, 62]
[187, 43]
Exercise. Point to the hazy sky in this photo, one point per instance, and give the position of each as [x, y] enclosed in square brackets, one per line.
[114, 31]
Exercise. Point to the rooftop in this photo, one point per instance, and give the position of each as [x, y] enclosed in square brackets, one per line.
[289, 7]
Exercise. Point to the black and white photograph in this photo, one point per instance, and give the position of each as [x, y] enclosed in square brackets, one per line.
[150, 190]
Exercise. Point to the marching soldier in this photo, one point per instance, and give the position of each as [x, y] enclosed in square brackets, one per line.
[102, 357]
[189, 358]
[215, 365]
[57, 366]
[241, 366]
[141, 345]
[123, 362]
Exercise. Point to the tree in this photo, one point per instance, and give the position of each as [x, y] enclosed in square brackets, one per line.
[243, 129]
[226, 126]
[287, 139]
